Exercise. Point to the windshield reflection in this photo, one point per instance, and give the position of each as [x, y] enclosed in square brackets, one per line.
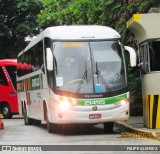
[89, 67]
[73, 59]
[108, 61]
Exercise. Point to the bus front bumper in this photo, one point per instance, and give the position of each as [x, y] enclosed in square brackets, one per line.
[90, 117]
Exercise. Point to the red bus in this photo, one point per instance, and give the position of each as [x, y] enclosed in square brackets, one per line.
[8, 93]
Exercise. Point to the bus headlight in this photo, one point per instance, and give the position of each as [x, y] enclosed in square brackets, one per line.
[65, 103]
[122, 102]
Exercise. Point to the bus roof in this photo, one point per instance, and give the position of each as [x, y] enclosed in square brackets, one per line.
[80, 33]
[145, 26]
[8, 62]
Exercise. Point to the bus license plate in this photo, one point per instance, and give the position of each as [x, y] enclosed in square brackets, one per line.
[94, 116]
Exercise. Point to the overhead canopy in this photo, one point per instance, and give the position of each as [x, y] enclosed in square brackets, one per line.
[145, 26]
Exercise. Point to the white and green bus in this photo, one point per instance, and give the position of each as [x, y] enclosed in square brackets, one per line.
[74, 74]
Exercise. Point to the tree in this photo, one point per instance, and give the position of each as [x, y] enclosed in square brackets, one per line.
[112, 13]
[58, 12]
[17, 20]
[118, 12]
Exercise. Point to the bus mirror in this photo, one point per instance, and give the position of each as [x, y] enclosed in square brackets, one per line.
[132, 54]
[49, 59]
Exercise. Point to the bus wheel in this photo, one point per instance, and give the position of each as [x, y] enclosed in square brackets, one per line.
[27, 121]
[6, 111]
[50, 126]
[108, 127]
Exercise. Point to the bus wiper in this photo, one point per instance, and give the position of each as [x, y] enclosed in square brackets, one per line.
[82, 79]
[99, 75]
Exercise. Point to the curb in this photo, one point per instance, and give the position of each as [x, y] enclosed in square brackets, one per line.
[140, 132]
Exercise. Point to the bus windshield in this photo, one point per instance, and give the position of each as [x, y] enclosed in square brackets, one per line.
[89, 67]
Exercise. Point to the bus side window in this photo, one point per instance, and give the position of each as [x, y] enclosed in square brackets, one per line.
[38, 56]
[3, 80]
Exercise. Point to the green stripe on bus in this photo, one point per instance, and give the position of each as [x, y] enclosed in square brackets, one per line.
[101, 101]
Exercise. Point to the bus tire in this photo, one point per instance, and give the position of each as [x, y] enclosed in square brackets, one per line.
[6, 111]
[27, 120]
[108, 127]
[50, 126]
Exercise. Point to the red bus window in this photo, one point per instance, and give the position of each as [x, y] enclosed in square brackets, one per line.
[3, 80]
[12, 73]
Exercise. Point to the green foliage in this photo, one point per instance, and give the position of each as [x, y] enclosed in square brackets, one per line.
[17, 20]
[57, 12]
[112, 13]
